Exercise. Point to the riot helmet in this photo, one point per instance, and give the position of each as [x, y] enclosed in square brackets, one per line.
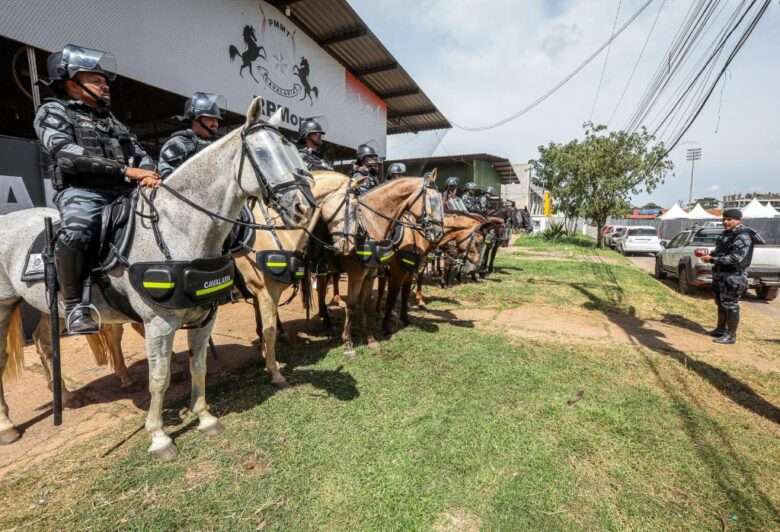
[309, 126]
[205, 104]
[452, 182]
[490, 191]
[471, 186]
[396, 170]
[73, 59]
[365, 151]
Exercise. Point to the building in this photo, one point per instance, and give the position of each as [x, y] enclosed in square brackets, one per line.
[305, 57]
[484, 169]
[739, 201]
[523, 191]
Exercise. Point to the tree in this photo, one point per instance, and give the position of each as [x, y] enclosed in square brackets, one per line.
[595, 177]
[650, 205]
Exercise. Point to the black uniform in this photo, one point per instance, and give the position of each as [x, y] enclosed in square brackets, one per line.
[178, 148]
[368, 179]
[471, 202]
[313, 159]
[730, 260]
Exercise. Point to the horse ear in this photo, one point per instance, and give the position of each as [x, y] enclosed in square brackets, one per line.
[254, 111]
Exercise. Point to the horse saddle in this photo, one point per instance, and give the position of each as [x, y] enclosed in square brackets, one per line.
[117, 225]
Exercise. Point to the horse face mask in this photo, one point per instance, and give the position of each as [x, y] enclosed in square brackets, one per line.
[284, 182]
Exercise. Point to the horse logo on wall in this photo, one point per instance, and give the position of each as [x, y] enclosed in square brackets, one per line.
[277, 73]
[250, 55]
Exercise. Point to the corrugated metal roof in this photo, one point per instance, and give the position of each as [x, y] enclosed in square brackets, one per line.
[335, 26]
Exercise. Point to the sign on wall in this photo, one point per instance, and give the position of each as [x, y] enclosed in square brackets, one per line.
[239, 48]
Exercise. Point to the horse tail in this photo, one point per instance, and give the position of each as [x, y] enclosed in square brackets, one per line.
[14, 345]
[233, 51]
[316, 91]
[100, 343]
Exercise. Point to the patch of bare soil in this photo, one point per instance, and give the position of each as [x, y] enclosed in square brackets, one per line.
[577, 325]
[457, 520]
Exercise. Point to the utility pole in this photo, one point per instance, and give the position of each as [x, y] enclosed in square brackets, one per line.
[693, 155]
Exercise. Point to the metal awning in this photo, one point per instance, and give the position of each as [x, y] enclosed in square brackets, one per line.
[338, 29]
[501, 165]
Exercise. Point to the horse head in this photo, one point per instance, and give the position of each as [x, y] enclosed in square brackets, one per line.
[249, 35]
[428, 208]
[338, 209]
[275, 173]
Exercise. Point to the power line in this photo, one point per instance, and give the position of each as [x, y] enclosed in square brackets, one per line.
[560, 84]
[606, 60]
[638, 60]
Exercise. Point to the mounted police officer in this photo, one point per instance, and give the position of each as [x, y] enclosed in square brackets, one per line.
[395, 171]
[487, 200]
[310, 144]
[94, 159]
[204, 111]
[732, 256]
[470, 197]
[366, 168]
[450, 190]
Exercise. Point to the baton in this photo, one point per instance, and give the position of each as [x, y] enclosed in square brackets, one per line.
[50, 274]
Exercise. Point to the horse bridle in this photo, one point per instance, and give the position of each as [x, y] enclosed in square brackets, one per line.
[426, 223]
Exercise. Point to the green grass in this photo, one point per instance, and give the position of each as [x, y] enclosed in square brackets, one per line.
[451, 420]
[577, 244]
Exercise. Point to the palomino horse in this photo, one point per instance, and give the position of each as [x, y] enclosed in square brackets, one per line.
[193, 214]
[378, 213]
[331, 190]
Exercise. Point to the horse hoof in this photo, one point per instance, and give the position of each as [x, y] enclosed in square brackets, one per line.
[350, 353]
[212, 429]
[165, 453]
[373, 344]
[281, 385]
[405, 320]
[9, 436]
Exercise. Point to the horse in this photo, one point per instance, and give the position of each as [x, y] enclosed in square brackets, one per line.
[379, 211]
[331, 190]
[194, 211]
[302, 71]
[250, 55]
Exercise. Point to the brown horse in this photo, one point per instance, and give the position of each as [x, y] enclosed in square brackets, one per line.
[378, 212]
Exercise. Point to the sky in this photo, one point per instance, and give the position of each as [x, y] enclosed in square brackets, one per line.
[482, 60]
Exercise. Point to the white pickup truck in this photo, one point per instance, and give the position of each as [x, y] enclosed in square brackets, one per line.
[679, 260]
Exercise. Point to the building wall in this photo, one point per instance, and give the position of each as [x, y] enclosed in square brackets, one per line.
[481, 172]
[739, 201]
[524, 193]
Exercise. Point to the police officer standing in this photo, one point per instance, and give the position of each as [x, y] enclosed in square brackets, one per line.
[395, 171]
[94, 159]
[365, 171]
[732, 256]
[310, 144]
[204, 111]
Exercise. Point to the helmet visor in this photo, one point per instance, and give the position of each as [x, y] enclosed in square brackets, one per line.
[78, 59]
[207, 104]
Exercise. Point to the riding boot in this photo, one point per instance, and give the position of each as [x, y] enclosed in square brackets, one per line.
[732, 323]
[720, 330]
[71, 272]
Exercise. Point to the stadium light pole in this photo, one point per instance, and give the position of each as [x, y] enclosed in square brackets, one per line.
[693, 155]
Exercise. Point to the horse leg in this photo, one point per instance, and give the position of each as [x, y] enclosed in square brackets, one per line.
[421, 302]
[42, 339]
[392, 297]
[355, 282]
[406, 289]
[159, 333]
[269, 308]
[322, 308]
[115, 333]
[363, 306]
[8, 433]
[380, 292]
[336, 301]
[493, 254]
[198, 341]
[258, 319]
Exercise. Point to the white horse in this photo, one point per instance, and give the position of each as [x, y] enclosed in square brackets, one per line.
[253, 161]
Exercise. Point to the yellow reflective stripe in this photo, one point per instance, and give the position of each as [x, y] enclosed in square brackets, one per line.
[409, 262]
[207, 291]
[364, 253]
[387, 257]
[276, 264]
[160, 284]
[299, 274]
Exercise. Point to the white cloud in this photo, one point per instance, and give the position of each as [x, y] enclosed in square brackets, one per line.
[715, 188]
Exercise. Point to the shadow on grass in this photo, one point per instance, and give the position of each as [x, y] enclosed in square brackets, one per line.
[727, 477]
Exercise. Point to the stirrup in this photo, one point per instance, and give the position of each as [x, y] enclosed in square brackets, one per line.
[82, 307]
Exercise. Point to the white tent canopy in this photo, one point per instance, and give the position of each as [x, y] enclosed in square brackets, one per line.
[698, 213]
[674, 213]
[754, 209]
[771, 209]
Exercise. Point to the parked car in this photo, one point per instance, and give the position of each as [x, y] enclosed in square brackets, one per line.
[678, 260]
[617, 230]
[639, 239]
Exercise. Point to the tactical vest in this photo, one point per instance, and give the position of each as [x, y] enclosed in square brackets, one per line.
[193, 142]
[313, 160]
[104, 137]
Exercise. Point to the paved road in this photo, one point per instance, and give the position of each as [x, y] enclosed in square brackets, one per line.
[771, 309]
